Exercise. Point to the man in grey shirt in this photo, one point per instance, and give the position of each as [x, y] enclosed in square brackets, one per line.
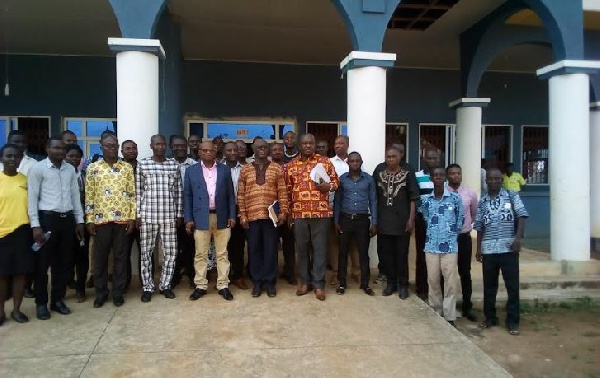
[54, 206]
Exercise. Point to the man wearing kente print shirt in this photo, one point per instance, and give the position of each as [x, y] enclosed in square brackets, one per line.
[311, 212]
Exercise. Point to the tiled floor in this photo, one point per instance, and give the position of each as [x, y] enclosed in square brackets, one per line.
[288, 336]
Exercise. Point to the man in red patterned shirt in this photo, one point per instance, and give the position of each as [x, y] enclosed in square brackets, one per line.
[311, 213]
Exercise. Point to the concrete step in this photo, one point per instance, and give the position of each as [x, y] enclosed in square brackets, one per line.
[537, 296]
[547, 289]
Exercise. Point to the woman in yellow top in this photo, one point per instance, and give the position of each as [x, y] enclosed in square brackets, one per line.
[16, 256]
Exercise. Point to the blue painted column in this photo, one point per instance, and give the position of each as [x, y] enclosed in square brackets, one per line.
[366, 73]
[137, 89]
[569, 159]
[468, 139]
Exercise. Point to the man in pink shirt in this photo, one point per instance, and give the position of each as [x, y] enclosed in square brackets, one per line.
[209, 211]
[465, 246]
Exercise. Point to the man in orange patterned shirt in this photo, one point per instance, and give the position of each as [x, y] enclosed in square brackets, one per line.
[260, 184]
[311, 213]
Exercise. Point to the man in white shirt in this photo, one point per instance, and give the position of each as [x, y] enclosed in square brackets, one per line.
[19, 139]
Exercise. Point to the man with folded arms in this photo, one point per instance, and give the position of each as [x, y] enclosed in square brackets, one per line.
[110, 216]
[355, 200]
[261, 183]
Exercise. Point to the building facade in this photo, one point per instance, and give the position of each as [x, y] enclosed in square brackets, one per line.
[503, 80]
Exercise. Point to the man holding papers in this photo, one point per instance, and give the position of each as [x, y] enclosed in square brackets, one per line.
[309, 179]
[261, 183]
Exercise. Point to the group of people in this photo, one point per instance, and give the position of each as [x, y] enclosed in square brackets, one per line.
[200, 208]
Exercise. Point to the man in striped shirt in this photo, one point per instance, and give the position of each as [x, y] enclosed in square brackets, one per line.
[431, 161]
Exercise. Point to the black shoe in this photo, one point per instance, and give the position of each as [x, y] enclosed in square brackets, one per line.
[513, 329]
[488, 323]
[90, 282]
[389, 290]
[341, 290]
[197, 294]
[470, 315]
[99, 301]
[80, 296]
[2, 320]
[118, 300]
[41, 312]
[271, 292]
[168, 293]
[226, 294]
[28, 293]
[451, 322]
[19, 317]
[368, 291]
[60, 307]
[256, 291]
[146, 296]
[403, 293]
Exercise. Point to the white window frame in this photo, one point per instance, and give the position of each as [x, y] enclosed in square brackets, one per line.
[510, 143]
[341, 123]
[450, 141]
[14, 121]
[338, 123]
[258, 121]
[407, 144]
[84, 137]
[522, 152]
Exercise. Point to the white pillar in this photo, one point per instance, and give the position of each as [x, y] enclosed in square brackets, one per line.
[569, 158]
[367, 103]
[366, 111]
[468, 139]
[137, 90]
[595, 171]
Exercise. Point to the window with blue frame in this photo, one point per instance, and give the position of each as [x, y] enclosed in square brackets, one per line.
[243, 130]
[88, 132]
[3, 131]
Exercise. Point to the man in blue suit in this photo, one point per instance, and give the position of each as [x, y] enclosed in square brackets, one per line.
[209, 211]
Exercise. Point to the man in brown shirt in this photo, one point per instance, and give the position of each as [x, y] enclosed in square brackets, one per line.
[261, 183]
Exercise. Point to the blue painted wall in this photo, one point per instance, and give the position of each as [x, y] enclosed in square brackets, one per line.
[60, 87]
[85, 87]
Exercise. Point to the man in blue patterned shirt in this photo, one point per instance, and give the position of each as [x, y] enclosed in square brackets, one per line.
[444, 216]
[498, 246]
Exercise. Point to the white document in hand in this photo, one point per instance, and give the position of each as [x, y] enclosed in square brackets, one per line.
[318, 174]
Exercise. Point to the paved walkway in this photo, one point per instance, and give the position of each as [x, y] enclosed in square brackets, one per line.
[288, 336]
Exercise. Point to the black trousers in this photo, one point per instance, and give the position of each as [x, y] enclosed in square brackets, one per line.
[81, 262]
[110, 235]
[56, 254]
[289, 252]
[235, 251]
[134, 237]
[394, 250]
[357, 230]
[185, 255]
[262, 252]
[421, 266]
[465, 250]
[508, 263]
